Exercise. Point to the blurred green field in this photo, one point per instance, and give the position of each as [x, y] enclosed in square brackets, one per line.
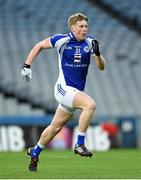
[63, 164]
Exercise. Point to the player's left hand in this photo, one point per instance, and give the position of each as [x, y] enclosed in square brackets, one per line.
[95, 46]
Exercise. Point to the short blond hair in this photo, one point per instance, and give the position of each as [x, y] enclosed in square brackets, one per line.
[76, 17]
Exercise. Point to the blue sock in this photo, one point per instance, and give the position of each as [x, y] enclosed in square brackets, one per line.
[37, 149]
[80, 138]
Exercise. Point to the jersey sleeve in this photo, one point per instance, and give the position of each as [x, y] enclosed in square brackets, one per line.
[90, 38]
[54, 39]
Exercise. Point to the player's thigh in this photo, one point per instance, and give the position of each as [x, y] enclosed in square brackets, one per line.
[81, 100]
[61, 117]
[64, 95]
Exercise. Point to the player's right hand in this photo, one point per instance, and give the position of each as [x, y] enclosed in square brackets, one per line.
[26, 72]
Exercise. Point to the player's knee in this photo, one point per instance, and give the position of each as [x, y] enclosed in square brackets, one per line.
[90, 107]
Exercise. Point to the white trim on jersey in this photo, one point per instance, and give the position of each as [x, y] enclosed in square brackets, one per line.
[89, 42]
[71, 35]
[50, 42]
[60, 42]
[61, 78]
[58, 45]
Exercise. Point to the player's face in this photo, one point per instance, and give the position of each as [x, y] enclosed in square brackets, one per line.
[80, 30]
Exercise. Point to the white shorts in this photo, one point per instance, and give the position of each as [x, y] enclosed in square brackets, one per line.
[64, 96]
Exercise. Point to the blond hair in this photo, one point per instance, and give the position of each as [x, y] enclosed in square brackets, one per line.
[76, 17]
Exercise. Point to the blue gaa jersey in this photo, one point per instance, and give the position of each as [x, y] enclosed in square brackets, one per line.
[74, 59]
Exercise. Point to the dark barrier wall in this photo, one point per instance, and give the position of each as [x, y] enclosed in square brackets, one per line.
[18, 133]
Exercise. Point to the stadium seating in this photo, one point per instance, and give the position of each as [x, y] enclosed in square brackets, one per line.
[128, 10]
[10, 106]
[23, 23]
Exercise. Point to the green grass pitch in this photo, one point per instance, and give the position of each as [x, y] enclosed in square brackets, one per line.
[64, 164]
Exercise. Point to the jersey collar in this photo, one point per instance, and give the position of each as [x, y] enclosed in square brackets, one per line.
[71, 34]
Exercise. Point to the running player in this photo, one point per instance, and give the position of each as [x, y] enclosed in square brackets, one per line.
[74, 53]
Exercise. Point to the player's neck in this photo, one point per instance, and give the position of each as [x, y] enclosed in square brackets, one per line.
[77, 37]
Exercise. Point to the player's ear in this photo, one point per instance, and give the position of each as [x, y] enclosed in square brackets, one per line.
[72, 28]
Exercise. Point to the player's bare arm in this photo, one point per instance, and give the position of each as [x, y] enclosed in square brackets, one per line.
[100, 61]
[44, 44]
[26, 73]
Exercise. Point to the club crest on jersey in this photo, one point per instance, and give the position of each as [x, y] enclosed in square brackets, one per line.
[86, 49]
[77, 58]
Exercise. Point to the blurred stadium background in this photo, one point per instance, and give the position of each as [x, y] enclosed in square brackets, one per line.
[26, 108]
